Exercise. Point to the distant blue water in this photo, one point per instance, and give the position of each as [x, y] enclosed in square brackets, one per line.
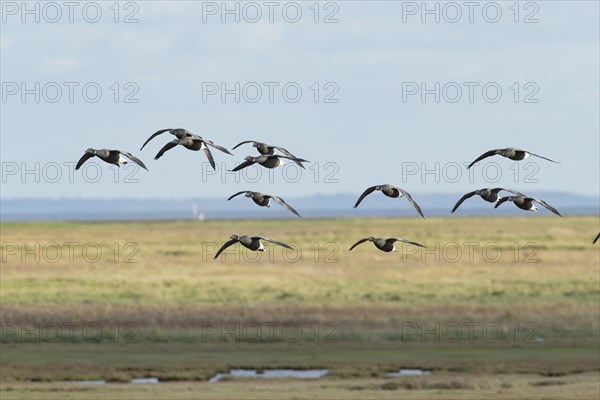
[318, 206]
[106, 215]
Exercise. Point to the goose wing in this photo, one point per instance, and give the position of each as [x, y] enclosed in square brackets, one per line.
[86, 156]
[408, 242]
[298, 161]
[284, 151]
[226, 245]
[242, 165]
[411, 201]
[287, 246]
[367, 192]
[537, 155]
[216, 146]
[237, 194]
[357, 243]
[496, 190]
[545, 205]
[292, 157]
[165, 148]
[280, 201]
[244, 142]
[504, 199]
[484, 155]
[155, 134]
[462, 199]
[134, 159]
[209, 155]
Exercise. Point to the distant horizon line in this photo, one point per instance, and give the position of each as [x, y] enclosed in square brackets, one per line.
[3, 198]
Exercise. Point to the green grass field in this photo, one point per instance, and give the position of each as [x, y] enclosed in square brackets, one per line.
[495, 307]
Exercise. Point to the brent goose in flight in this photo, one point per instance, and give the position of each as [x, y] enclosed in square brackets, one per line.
[390, 191]
[267, 161]
[385, 244]
[510, 152]
[526, 203]
[189, 141]
[264, 148]
[264, 200]
[250, 242]
[110, 156]
[267, 149]
[489, 195]
[597, 237]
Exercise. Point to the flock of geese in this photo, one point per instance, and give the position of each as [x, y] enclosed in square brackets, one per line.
[269, 159]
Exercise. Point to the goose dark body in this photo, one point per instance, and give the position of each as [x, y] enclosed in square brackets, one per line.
[527, 203]
[265, 149]
[385, 244]
[264, 200]
[260, 199]
[109, 156]
[250, 242]
[188, 140]
[179, 133]
[487, 194]
[510, 152]
[267, 161]
[269, 150]
[390, 191]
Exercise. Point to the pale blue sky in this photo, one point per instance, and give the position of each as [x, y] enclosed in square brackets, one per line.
[370, 135]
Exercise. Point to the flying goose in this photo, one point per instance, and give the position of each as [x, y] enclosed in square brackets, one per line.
[597, 237]
[189, 141]
[110, 156]
[250, 242]
[264, 200]
[489, 195]
[267, 161]
[181, 133]
[526, 203]
[267, 149]
[385, 244]
[390, 191]
[509, 152]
